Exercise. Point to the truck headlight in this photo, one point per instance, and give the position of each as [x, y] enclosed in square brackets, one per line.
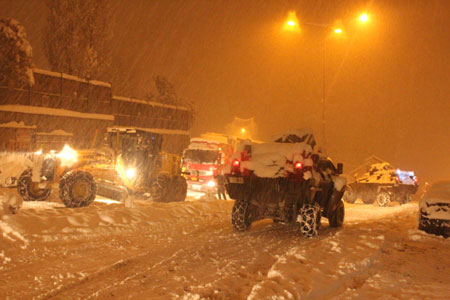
[211, 183]
[130, 173]
[68, 156]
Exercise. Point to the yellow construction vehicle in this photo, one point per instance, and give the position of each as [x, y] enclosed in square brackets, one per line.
[142, 165]
[132, 161]
[77, 186]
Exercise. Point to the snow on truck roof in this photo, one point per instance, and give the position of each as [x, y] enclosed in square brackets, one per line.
[296, 136]
[203, 144]
[269, 159]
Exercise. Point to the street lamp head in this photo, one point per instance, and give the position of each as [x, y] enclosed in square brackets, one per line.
[338, 30]
[363, 18]
[291, 23]
[243, 130]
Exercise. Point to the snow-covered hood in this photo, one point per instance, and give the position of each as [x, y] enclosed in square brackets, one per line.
[436, 201]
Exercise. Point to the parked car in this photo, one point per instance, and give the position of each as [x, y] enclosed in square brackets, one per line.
[434, 209]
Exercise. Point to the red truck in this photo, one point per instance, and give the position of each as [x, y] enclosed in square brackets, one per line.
[203, 160]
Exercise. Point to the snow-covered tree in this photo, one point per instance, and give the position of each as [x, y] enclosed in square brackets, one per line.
[166, 91]
[15, 54]
[77, 37]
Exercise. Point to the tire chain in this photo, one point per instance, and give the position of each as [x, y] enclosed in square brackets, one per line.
[66, 185]
[308, 219]
[238, 216]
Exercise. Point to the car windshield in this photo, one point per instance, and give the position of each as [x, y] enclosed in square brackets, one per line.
[201, 156]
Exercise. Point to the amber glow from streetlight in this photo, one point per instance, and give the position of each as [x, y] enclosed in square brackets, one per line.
[364, 18]
[291, 22]
[243, 130]
[338, 30]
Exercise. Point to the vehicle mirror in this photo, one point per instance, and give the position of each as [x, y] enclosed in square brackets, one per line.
[340, 168]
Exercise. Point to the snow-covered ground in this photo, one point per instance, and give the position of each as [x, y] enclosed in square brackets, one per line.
[189, 251]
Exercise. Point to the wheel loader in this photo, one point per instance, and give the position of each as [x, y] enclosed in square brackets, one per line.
[130, 162]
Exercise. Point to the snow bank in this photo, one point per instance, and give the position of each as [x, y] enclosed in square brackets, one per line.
[12, 165]
[361, 213]
[50, 221]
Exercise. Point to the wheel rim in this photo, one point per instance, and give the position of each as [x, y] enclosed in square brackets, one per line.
[80, 190]
[383, 199]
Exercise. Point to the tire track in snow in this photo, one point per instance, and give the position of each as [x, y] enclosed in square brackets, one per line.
[127, 270]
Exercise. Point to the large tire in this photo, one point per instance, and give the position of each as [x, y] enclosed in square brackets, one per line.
[336, 218]
[25, 190]
[159, 189]
[383, 199]
[309, 220]
[179, 189]
[77, 189]
[349, 195]
[240, 216]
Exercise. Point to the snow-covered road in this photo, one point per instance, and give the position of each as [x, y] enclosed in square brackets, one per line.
[189, 251]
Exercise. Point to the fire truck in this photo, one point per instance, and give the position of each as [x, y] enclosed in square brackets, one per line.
[203, 160]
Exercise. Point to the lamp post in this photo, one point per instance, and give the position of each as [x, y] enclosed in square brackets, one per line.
[292, 24]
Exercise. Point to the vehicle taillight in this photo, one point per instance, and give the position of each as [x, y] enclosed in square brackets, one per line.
[236, 166]
[298, 165]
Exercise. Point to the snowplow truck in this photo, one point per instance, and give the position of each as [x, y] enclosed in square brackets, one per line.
[381, 185]
[144, 167]
[286, 181]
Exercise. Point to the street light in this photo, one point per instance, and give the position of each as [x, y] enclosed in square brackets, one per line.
[292, 22]
[363, 18]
